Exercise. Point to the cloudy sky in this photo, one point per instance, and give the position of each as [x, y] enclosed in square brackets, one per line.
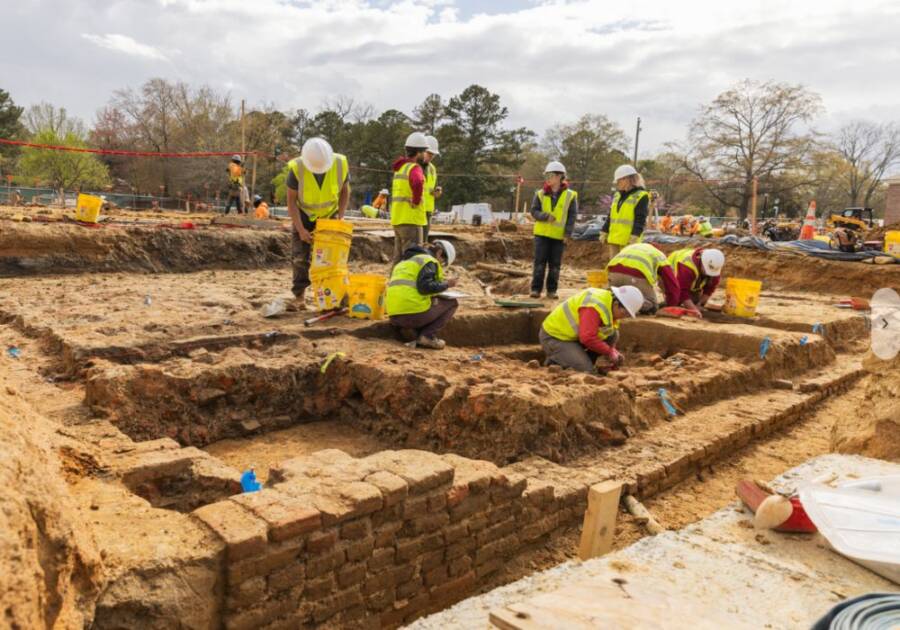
[550, 61]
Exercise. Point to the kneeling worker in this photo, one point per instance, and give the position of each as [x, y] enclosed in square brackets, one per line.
[586, 326]
[698, 271]
[643, 266]
[411, 291]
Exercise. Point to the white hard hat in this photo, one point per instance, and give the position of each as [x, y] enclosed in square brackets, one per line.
[701, 218]
[448, 248]
[713, 260]
[432, 145]
[237, 158]
[384, 191]
[631, 298]
[555, 167]
[416, 140]
[317, 155]
[624, 171]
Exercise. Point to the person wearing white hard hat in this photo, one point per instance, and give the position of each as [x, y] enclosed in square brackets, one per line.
[586, 326]
[628, 212]
[553, 208]
[318, 187]
[412, 300]
[235, 184]
[432, 190]
[407, 195]
[644, 266]
[698, 272]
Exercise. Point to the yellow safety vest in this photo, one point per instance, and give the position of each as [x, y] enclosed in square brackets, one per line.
[643, 257]
[430, 184]
[320, 202]
[403, 212]
[621, 218]
[562, 322]
[403, 298]
[686, 257]
[555, 229]
[706, 229]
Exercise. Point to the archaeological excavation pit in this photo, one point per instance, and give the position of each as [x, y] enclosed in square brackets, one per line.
[395, 482]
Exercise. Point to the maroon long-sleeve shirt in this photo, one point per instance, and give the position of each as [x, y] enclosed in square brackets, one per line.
[589, 324]
[666, 275]
[686, 279]
[416, 178]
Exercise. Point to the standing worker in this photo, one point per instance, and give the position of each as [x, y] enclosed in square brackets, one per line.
[407, 196]
[585, 326]
[235, 184]
[554, 209]
[642, 265]
[628, 212]
[318, 187]
[411, 291]
[698, 271]
[432, 191]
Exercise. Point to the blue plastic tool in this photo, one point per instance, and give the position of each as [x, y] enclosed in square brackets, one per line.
[764, 347]
[804, 340]
[667, 404]
[249, 482]
[13, 352]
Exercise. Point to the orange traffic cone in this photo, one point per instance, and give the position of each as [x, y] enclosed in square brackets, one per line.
[808, 231]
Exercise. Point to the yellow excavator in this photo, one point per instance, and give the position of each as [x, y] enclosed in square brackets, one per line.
[856, 219]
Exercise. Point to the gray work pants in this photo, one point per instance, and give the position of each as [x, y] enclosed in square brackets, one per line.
[571, 354]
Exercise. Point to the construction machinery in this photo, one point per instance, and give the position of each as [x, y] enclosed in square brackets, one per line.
[780, 230]
[856, 219]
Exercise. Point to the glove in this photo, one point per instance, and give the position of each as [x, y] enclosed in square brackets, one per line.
[634, 239]
[602, 238]
[616, 357]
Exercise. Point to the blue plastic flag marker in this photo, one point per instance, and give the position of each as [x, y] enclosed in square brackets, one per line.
[667, 404]
[13, 352]
[818, 329]
[764, 347]
[249, 482]
[804, 340]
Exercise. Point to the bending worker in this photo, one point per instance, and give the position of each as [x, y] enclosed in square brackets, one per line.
[411, 291]
[628, 212]
[586, 326]
[432, 191]
[698, 271]
[318, 187]
[643, 266]
[407, 193]
[554, 209]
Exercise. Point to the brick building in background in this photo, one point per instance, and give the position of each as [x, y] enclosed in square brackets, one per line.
[892, 202]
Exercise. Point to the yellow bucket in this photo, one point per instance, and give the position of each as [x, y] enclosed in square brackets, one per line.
[329, 288]
[892, 242]
[88, 208]
[331, 244]
[741, 297]
[598, 279]
[366, 296]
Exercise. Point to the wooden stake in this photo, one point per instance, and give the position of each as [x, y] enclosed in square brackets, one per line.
[253, 181]
[516, 205]
[753, 192]
[600, 519]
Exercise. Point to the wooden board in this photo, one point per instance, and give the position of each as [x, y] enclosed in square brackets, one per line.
[600, 519]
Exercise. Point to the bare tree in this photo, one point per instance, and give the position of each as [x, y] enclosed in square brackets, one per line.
[870, 150]
[753, 130]
[45, 116]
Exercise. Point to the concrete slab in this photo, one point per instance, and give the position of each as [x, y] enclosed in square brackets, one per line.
[719, 572]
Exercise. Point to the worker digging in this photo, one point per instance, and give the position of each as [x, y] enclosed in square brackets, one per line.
[644, 266]
[697, 271]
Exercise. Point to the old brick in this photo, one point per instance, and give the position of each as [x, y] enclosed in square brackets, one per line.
[460, 565]
[382, 558]
[386, 515]
[319, 587]
[431, 522]
[351, 574]
[410, 588]
[286, 516]
[408, 549]
[488, 567]
[538, 493]
[431, 559]
[360, 549]
[252, 618]
[276, 556]
[461, 548]
[364, 498]
[457, 494]
[287, 578]
[247, 592]
[494, 549]
[403, 573]
[393, 488]
[330, 606]
[477, 522]
[507, 486]
[499, 530]
[386, 535]
[437, 501]
[378, 582]
[357, 529]
[321, 541]
[433, 541]
[454, 590]
[455, 532]
[421, 470]
[473, 504]
[415, 507]
[243, 533]
[436, 576]
[380, 600]
[325, 562]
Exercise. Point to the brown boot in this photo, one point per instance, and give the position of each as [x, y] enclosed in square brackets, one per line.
[298, 303]
[430, 342]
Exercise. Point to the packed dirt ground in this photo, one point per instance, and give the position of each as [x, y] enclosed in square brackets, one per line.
[140, 381]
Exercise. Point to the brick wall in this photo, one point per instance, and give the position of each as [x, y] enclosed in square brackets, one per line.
[892, 203]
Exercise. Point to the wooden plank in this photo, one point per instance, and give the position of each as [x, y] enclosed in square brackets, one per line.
[600, 519]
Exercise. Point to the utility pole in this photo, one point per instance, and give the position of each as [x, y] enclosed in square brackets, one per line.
[637, 137]
[243, 131]
[753, 193]
[519, 181]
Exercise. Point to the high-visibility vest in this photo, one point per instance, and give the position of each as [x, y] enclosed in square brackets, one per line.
[403, 212]
[643, 257]
[235, 175]
[262, 211]
[686, 257]
[430, 184]
[555, 229]
[562, 322]
[403, 298]
[320, 202]
[621, 218]
[706, 229]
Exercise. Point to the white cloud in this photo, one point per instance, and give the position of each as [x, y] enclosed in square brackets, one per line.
[125, 44]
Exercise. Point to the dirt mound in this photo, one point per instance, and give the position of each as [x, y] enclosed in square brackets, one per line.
[49, 565]
[877, 234]
[874, 430]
